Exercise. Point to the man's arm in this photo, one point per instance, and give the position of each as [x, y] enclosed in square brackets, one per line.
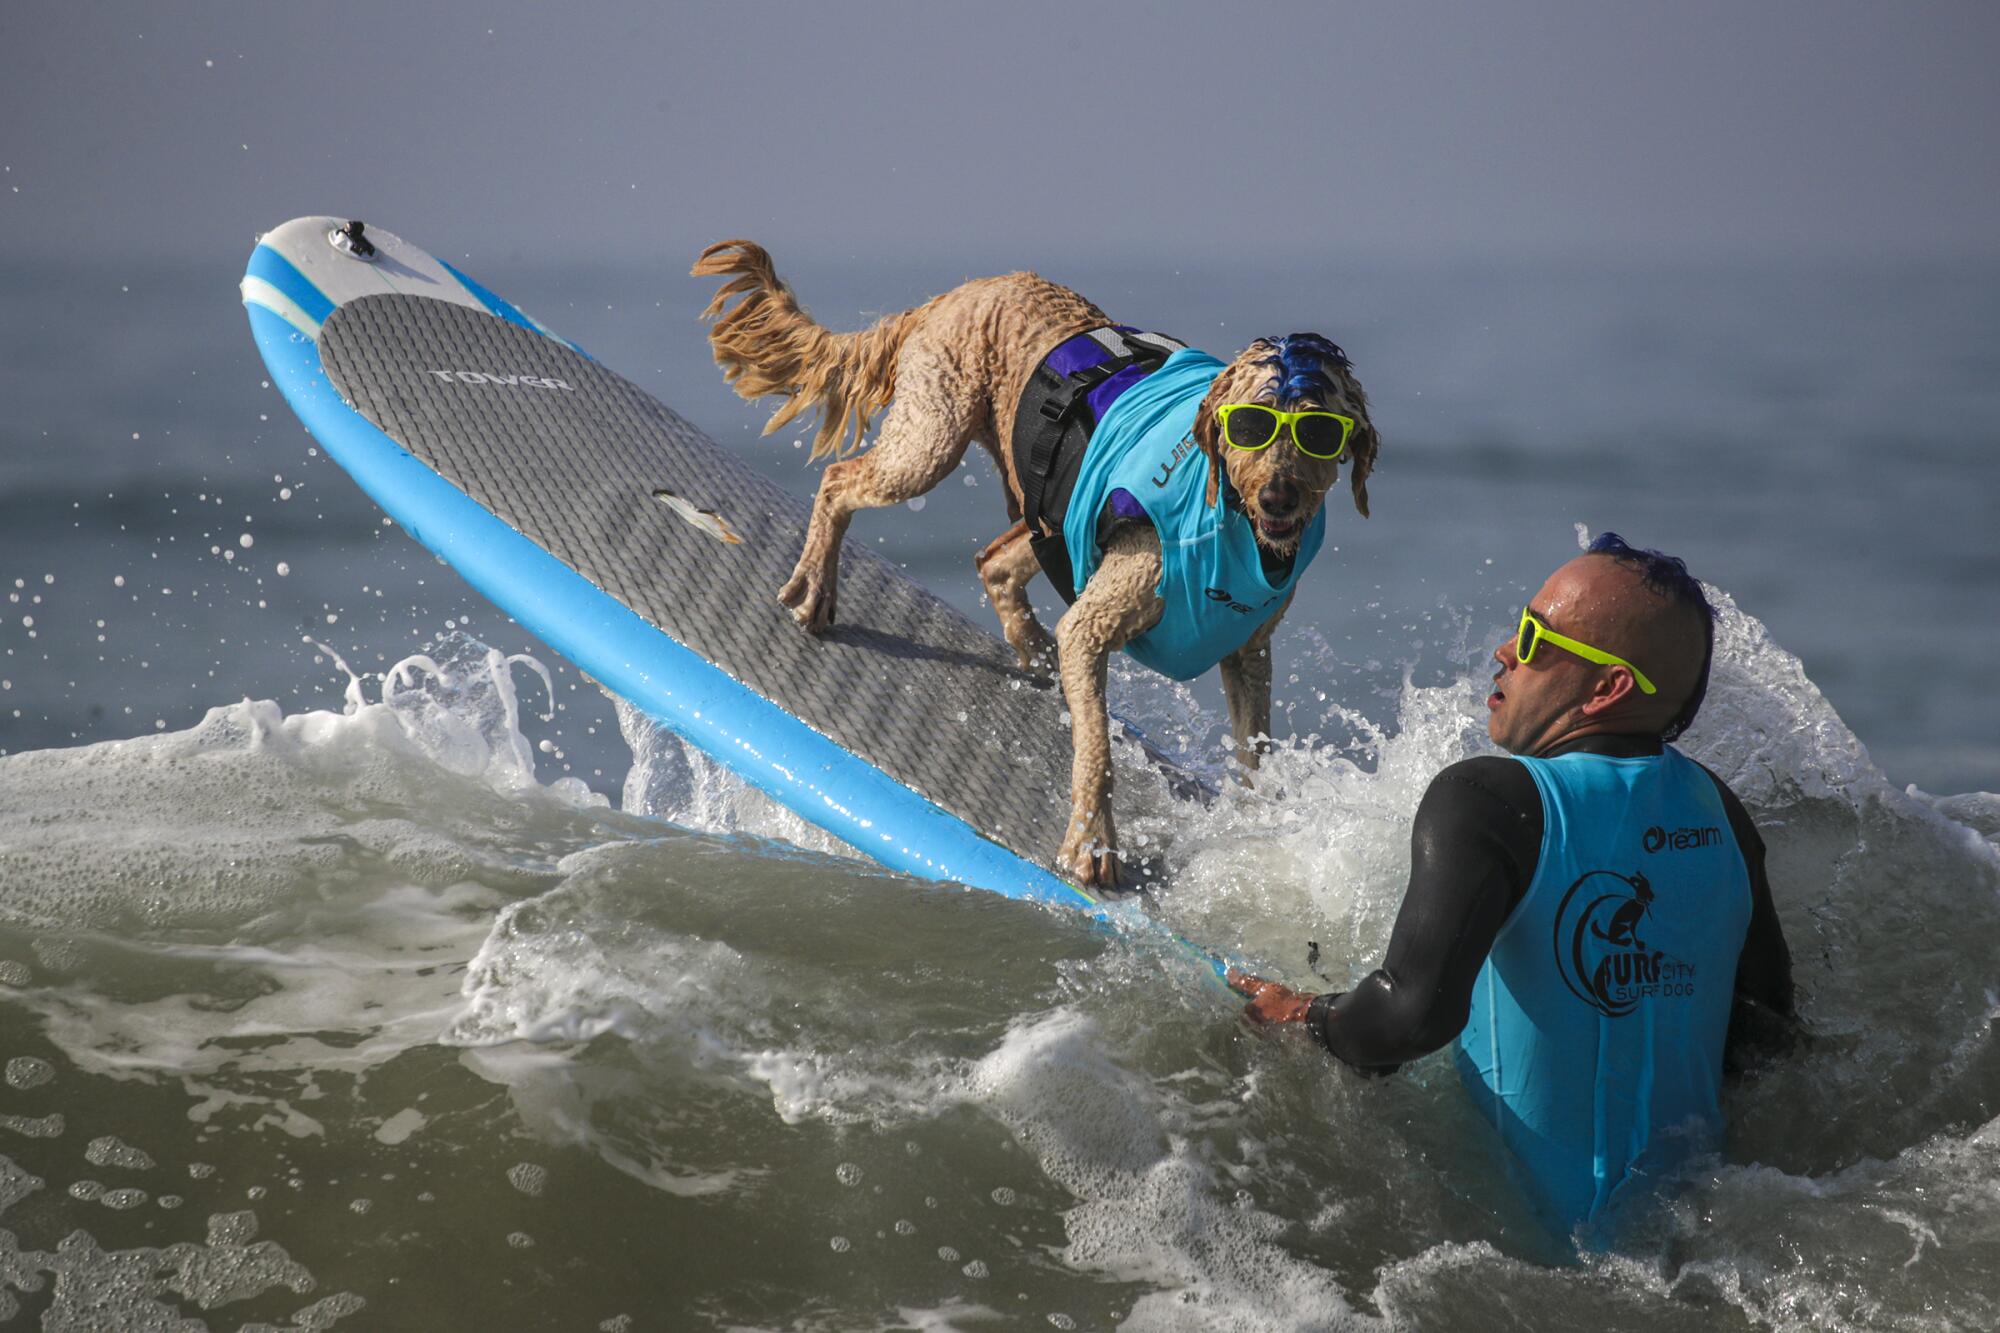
[1763, 1020]
[1473, 847]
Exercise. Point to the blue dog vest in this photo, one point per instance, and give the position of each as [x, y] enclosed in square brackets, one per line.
[1143, 462]
[1596, 1033]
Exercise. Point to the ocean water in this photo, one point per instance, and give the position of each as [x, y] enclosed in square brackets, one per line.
[361, 966]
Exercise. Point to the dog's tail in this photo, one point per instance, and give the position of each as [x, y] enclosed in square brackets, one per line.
[768, 344]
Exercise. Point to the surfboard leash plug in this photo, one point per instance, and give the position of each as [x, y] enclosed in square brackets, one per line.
[352, 241]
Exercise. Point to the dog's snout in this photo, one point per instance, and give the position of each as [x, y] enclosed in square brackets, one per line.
[1278, 497]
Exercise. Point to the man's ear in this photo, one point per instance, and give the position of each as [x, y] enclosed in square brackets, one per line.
[1208, 434]
[1612, 688]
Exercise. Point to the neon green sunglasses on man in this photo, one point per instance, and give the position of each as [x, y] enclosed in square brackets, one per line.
[1252, 426]
[1533, 632]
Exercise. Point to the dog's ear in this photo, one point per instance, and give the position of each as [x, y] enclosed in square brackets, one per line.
[1365, 443]
[1207, 433]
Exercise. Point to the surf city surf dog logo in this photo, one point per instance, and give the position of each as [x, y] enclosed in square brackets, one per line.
[1601, 949]
[504, 381]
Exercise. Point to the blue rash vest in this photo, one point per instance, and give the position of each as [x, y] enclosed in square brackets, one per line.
[1595, 1039]
[1143, 462]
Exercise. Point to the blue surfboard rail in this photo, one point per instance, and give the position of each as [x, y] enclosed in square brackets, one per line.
[752, 736]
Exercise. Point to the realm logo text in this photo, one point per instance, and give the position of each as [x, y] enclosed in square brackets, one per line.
[506, 381]
[1681, 839]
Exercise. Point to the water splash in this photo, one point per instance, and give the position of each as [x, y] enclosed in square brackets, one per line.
[726, 1021]
[672, 780]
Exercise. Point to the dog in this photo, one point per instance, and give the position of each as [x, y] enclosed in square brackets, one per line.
[954, 371]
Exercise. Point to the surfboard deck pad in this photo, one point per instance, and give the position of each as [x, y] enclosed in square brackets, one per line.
[572, 456]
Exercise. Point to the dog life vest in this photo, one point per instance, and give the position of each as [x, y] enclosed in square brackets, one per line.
[1596, 1033]
[1103, 434]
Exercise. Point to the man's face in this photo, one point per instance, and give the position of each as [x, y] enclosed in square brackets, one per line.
[1532, 706]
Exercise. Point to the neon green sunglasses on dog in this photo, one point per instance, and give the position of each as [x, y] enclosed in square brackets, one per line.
[1252, 426]
[1533, 633]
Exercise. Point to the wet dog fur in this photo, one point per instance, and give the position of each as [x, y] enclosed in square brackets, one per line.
[950, 373]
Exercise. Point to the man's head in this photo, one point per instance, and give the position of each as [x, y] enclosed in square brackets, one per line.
[1280, 485]
[1641, 606]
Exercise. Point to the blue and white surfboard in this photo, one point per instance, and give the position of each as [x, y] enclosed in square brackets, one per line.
[640, 550]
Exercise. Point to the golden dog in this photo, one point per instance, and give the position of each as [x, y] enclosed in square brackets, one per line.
[951, 372]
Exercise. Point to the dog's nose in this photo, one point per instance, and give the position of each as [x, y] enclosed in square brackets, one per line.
[1279, 497]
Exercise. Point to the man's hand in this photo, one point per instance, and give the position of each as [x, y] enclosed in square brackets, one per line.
[1269, 1001]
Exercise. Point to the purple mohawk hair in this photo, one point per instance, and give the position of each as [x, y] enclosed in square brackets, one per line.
[1303, 362]
[1668, 576]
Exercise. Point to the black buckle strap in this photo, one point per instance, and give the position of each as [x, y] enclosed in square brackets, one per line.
[1064, 396]
[1048, 442]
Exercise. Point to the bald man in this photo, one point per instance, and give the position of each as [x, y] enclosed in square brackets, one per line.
[1590, 919]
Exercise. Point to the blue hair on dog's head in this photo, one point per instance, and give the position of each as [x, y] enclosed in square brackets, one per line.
[1304, 363]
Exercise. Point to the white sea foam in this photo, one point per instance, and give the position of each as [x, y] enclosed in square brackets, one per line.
[720, 1017]
[334, 854]
[1147, 1209]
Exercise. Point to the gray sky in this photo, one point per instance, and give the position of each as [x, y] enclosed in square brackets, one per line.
[1003, 130]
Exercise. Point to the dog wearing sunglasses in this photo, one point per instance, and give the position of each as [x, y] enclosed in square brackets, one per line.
[1172, 499]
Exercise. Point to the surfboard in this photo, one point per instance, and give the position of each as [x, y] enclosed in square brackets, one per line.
[647, 555]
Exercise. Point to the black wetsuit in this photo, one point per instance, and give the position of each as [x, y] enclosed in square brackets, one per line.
[1474, 847]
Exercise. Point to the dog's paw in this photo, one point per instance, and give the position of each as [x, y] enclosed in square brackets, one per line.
[1038, 655]
[1089, 860]
[810, 598]
[1097, 868]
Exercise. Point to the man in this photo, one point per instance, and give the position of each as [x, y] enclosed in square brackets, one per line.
[1590, 920]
